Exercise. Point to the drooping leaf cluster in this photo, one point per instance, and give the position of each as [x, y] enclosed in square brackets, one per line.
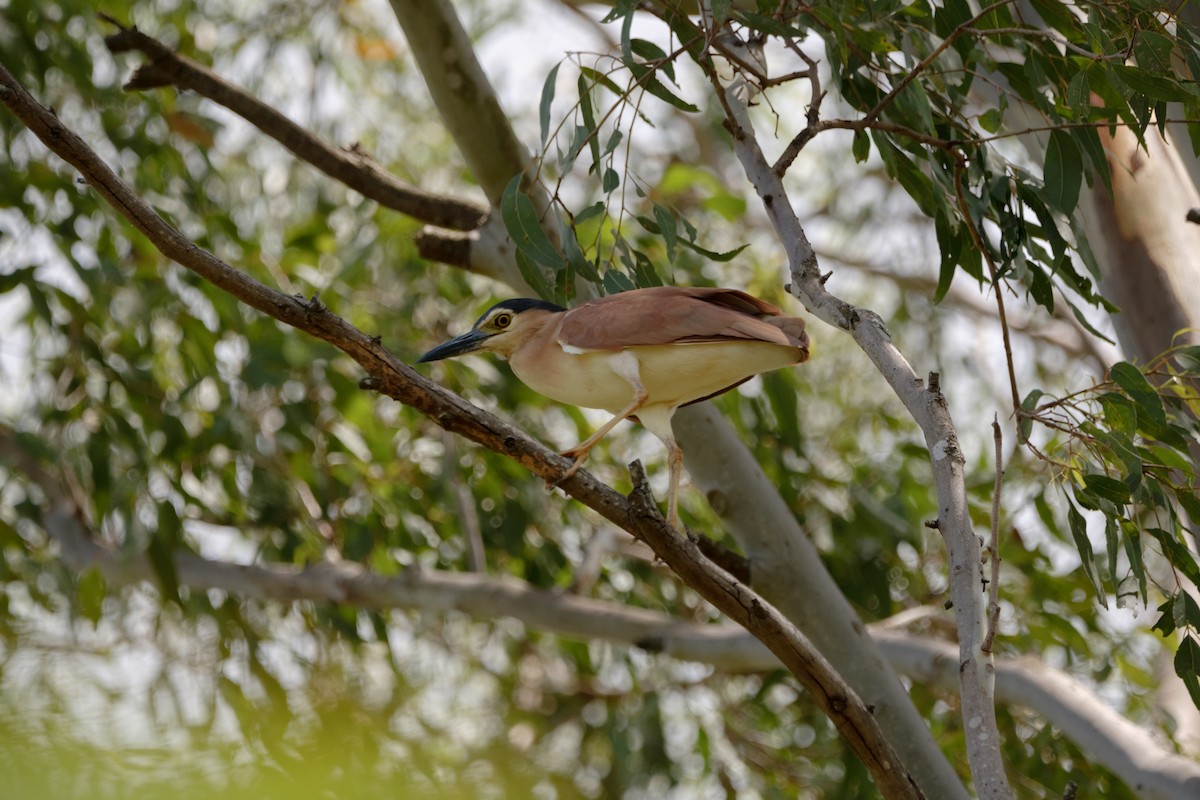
[1129, 456]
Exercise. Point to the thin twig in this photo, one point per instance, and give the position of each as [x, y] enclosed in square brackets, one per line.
[812, 118]
[929, 59]
[997, 282]
[994, 544]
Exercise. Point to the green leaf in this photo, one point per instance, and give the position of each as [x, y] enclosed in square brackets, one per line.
[535, 277]
[616, 281]
[521, 220]
[1079, 95]
[768, 25]
[904, 170]
[861, 146]
[1190, 501]
[1187, 667]
[713, 255]
[781, 394]
[1028, 405]
[1133, 551]
[1079, 533]
[1065, 633]
[547, 100]
[649, 51]
[1090, 145]
[1150, 85]
[1041, 288]
[1177, 553]
[1107, 488]
[581, 136]
[1056, 15]
[1062, 171]
[90, 592]
[588, 113]
[991, 120]
[911, 107]
[1166, 621]
[949, 246]
[600, 79]
[1191, 611]
[614, 140]
[1130, 378]
[594, 210]
[1120, 414]
[161, 551]
[1188, 359]
[1112, 540]
[610, 180]
[655, 87]
[644, 273]
[668, 229]
[575, 258]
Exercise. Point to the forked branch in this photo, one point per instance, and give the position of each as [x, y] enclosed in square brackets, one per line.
[386, 374]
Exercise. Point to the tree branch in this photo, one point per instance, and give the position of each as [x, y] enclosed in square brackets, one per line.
[1109, 739]
[786, 567]
[352, 166]
[636, 514]
[738, 602]
[998, 283]
[928, 408]
[1131, 752]
[993, 547]
[1128, 750]
[778, 548]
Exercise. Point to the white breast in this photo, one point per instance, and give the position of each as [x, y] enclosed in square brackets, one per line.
[673, 374]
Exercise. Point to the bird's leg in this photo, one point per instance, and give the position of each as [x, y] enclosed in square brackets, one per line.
[657, 420]
[624, 364]
[675, 467]
[581, 451]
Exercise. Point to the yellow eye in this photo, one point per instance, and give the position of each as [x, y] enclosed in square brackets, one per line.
[502, 320]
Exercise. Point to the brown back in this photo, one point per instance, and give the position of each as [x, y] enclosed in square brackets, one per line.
[667, 314]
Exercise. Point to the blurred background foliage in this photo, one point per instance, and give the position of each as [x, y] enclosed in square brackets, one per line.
[178, 420]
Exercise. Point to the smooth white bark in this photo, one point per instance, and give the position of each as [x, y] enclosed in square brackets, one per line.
[928, 408]
[783, 557]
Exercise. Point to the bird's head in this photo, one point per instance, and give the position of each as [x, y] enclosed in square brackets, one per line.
[502, 329]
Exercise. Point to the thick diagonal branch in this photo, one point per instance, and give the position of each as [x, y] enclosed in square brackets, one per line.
[388, 375]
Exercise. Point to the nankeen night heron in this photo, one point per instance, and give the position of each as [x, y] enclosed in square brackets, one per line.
[639, 354]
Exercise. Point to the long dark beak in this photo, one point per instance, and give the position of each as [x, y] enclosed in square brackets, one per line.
[469, 342]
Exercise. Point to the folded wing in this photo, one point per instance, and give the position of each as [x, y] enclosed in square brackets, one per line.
[670, 314]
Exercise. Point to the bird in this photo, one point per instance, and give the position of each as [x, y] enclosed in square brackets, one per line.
[639, 354]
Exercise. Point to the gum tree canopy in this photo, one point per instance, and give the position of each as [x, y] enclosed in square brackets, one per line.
[247, 548]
